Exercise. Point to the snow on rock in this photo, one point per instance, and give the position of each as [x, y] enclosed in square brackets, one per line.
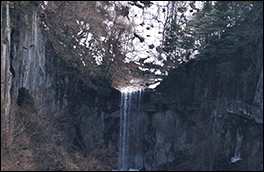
[137, 84]
[147, 31]
[144, 29]
[145, 39]
[235, 159]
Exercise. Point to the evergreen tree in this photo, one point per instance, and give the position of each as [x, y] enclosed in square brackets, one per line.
[230, 35]
[229, 38]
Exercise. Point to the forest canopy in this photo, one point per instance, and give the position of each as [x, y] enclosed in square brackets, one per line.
[229, 38]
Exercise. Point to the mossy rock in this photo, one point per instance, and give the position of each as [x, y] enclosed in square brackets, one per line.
[25, 99]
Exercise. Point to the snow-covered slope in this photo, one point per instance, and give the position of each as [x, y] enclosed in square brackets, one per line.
[137, 26]
[148, 23]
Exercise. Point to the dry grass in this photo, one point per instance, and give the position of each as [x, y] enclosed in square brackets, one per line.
[30, 144]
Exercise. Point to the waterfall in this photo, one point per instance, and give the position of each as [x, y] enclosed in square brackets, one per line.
[130, 134]
[237, 149]
[102, 118]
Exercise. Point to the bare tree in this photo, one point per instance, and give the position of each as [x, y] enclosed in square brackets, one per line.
[89, 35]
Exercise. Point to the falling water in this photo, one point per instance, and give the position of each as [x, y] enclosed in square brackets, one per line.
[102, 118]
[237, 156]
[129, 140]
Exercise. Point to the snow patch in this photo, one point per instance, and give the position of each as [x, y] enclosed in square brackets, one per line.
[154, 85]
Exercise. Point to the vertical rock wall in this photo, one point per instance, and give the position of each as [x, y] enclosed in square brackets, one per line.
[203, 138]
[6, 75]
[28, 60]
[171, 137]
[31, 57]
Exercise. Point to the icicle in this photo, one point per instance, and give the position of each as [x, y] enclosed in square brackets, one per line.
[102, 117]
[237, 156]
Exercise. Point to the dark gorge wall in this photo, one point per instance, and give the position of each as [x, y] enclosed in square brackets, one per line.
[28, 61]
[190, 122]
[28, 72]
[76, 114]
[193, 121]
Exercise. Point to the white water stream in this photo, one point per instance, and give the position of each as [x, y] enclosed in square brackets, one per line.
[237, 156]
[129, 139]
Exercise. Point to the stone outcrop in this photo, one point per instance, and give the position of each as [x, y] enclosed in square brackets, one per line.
[6, 75]
[172, 137]
[27, 60]
[203, 138]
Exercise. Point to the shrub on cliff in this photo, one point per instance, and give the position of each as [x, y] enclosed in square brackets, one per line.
[176, 87]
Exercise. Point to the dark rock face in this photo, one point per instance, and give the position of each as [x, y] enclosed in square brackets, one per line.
[171, 137]
[6, 75]
[29, 61]
[203, 138]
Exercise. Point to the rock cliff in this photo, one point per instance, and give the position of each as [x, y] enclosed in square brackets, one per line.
[26, 54]
[75, 113]
[201, 134]
[192, 129]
